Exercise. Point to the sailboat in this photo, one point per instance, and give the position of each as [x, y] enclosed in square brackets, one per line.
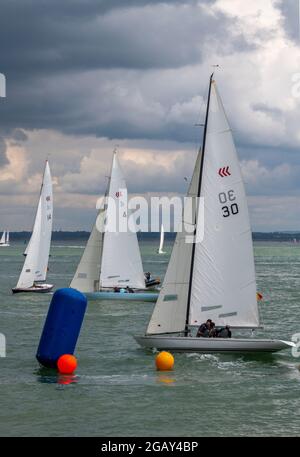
[34, 271]
[111, 265]
[213, 278]
[162, 237]
[4, 241]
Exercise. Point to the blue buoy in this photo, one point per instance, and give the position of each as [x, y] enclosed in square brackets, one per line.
[62, 326]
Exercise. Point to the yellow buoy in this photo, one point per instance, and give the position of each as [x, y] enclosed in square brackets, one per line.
[164, 361]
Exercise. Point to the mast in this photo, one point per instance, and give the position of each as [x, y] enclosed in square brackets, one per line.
[107, 192]
[105, 204]
[196, 212]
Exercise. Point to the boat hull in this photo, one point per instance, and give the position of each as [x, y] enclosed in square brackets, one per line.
[42, 289]
[209, 345]
[152, 283]
[121, 296]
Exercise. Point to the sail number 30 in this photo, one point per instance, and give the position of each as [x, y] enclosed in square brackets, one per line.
[227, 199]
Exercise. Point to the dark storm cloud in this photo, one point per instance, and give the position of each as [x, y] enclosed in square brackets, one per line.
[47, 47]
[39, 37]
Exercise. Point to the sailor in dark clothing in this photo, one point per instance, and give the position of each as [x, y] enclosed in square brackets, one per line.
[203, 330]
[212, 330]
[224, 332]
[148, 276]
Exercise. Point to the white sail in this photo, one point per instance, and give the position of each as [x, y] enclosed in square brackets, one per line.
[121, 258]
[162, 237]
[170, 312]
[223, 283]
[86, 278]
[3, 238]
[27, 247]
[36, 262]
[7, 237]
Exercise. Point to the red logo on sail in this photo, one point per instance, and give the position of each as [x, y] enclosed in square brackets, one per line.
[223, 172]
[118, 194]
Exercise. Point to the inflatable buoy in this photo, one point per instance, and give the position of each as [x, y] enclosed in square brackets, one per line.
[62, 326]
[164, 361]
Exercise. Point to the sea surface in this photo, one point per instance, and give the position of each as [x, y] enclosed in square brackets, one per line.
[116, 390]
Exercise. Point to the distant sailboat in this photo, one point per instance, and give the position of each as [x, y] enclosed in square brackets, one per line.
[161, 244]
[4, 241]
[213, 278]
[34, 272]
[111, 262]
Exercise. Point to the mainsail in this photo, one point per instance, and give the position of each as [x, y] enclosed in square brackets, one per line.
[162, 237]
[213, 278]
[3, 238]
[112, 257]
[223, 283]
[36, 263]
[121, 259]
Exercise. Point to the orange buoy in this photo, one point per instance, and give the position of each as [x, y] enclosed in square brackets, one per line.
[67, 364]
[164, 361]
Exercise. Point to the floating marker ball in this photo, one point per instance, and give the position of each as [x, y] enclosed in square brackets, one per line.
[164, 361]
[67, 364]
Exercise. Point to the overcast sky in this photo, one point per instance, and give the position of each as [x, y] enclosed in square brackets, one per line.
[86, 75]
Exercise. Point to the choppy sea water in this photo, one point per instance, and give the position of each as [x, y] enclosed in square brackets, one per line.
[116, 390]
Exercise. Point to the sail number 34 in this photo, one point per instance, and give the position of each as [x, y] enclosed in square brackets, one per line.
[227, 199]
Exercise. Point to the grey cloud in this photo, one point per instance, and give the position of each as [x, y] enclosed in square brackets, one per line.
[49, 51]
[19, 136]
[3, 158]
[274, 113]
[291, 17]
[65, 36]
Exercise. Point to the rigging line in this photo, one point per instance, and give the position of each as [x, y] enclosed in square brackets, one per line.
[196, 213]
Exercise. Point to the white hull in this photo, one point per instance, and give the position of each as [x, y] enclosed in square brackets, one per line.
[208, 345]
[37, 288]
[5, 245]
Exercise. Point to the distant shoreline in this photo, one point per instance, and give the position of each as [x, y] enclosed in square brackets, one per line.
[83, 235]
